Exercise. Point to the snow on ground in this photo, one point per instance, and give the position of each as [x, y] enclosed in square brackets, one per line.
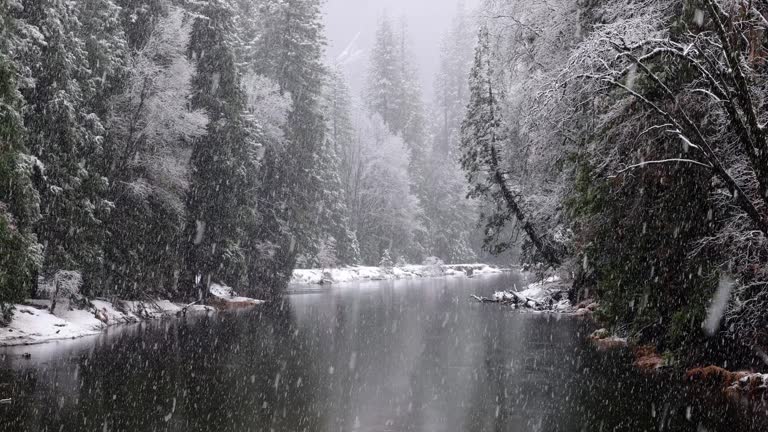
[360, 273]
[227, 296]
[33, 323]
[543, 290]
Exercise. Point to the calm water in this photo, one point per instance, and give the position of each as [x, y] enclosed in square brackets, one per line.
[384, 356]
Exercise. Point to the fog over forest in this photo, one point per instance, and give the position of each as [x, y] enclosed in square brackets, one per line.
[349, 24]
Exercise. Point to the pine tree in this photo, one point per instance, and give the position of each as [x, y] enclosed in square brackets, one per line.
[223, 164]
[139, 18]
[64, 135]
[451, 87]
[393, 95]
[341, 129]
[449, 228]
[483, 137]
[410, 114]
[393, 91]
[386, 260]
[332, 212]
[20, 254]
[290, 50]
[106, 51]
[385, 80]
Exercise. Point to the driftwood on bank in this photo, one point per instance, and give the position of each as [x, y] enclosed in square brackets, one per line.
[511, 298]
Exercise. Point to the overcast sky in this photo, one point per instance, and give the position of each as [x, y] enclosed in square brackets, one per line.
[354, 22]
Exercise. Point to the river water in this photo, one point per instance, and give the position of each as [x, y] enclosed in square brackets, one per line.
[379, 356]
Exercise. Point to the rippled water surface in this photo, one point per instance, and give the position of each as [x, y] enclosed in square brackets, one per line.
[378, 356]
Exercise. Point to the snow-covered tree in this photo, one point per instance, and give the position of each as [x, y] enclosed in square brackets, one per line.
[696, 82]
[326, 253]
[386, 260]
[385, 214]
[20, 254]
[140, 18]
[484, 136]
[224, 162]
[106, 49]
[151, 134]
[450, 229]
[393, 91]
[63, 133]
[290, 49]
[385, 80]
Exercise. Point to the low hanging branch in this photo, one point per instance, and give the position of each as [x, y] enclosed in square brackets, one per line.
[728, 86]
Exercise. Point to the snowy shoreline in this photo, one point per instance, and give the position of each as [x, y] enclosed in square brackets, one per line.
[33, 322]
[361, 273]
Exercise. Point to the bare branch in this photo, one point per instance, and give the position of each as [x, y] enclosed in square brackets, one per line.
[661, 162]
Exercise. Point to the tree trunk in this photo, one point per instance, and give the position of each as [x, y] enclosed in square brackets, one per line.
[546, 250]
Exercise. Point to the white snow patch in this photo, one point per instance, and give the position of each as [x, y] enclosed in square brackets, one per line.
[542, 291]
[31, 325]
[228, 295]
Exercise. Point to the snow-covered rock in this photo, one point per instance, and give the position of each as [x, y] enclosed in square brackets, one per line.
[226, 298]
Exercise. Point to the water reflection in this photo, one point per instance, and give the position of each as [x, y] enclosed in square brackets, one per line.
[388, 356]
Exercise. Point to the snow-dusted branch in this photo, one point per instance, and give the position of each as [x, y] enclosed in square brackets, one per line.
[662, 162]
[684, 125]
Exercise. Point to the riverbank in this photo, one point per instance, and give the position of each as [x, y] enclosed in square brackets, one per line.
[362, 273]
[710, 385]
[34, 323]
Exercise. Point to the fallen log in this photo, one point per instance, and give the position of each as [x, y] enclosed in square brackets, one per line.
[513, 298]
[485, 299]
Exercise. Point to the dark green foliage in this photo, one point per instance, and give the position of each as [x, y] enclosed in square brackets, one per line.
[19, 202]
[134, 195]
[139, 18]
[224, 164]
[65, 137]
[636, 234]
[144, 258]
[290, 51]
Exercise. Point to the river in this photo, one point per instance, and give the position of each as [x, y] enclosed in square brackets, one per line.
[397, 356]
